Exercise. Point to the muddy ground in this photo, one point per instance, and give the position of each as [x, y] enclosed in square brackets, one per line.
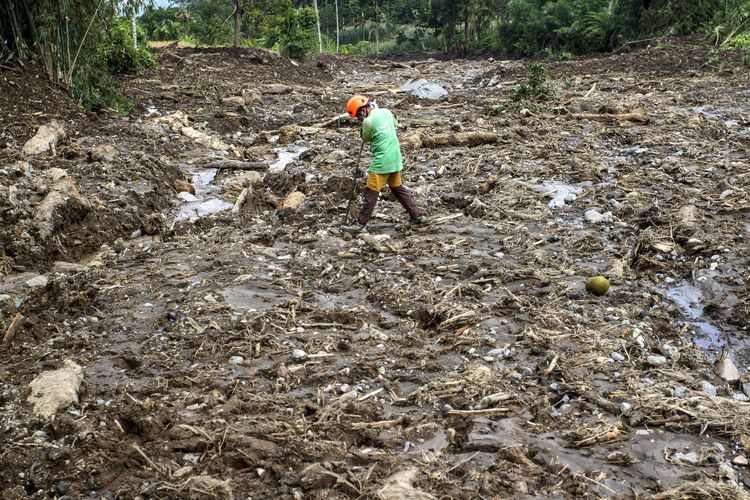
[261, 352]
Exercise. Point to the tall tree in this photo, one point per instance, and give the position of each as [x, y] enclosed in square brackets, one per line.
[239, 9]
[317, 20]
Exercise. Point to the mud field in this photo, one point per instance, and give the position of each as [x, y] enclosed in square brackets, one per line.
[195, 323]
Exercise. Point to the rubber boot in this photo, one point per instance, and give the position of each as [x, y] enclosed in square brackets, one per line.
[371, 199]
[403, 197]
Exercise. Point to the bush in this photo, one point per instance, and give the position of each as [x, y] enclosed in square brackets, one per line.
[297, 33]
[530, 94]
[119, 53]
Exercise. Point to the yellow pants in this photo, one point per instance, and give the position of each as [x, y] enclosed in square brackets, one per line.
[377, 181]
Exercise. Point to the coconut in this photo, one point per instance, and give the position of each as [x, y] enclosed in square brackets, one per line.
[597, 285]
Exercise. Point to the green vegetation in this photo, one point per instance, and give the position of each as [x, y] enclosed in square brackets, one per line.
[532, 94]
[84, 44]
[556, 28]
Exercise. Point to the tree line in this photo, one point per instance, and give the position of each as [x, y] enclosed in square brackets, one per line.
[507, 27]
[84, 44]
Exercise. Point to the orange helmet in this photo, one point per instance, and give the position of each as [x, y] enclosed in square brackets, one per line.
[356, 102]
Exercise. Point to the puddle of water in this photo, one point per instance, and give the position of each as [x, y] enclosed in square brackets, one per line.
[561, 193]
[202, 203]
[690, 299]
[286, 156]
[197, 209]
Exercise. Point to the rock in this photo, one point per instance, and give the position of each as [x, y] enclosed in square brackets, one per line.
[726, 370]
[236, 360]
[727, 472]
[104, 153]
[501, 352]
[47, 135]
[656, 360]
[726, 193]
[617, 357]
[680, 391]
[62, 487]
[184, 186]
[691, 458]
[400, 486]
[424, 90]
[708, 388]
[694, 243]
[292, 202]
[234, 100]
[739, 396]
[594, 217]
[188, 197]
[740, 460]
[37, 281]
[299, 354]
[670, 351]
[55, 390]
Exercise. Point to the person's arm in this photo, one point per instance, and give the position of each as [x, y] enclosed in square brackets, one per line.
[366, 132]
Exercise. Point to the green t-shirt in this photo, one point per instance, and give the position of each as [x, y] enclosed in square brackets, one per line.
[379, 129]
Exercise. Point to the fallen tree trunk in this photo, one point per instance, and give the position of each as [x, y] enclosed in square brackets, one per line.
[332, 121]
[238, 165]
[626, 117]
[45, 139]
[465, 139]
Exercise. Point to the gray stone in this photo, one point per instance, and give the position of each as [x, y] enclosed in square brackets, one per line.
[680, 391]
[36, 282]
[656, 360]
[299, 354]
[670, 351]
[593, 216]
[617, 357]
[236, 360]
[708, 388]
[727, 472]
[727, 371]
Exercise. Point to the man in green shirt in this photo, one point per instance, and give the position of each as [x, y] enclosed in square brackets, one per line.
[379, 129]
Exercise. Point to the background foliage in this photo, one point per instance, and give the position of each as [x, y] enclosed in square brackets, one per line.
[83, 44]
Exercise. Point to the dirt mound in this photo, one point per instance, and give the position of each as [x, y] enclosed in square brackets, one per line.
[68, 199]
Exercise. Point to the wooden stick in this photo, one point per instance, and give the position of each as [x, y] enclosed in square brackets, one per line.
[331, 121]
[476, 413]
[11, 331]
[238, 165]
[240, 201]
[625, 117]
